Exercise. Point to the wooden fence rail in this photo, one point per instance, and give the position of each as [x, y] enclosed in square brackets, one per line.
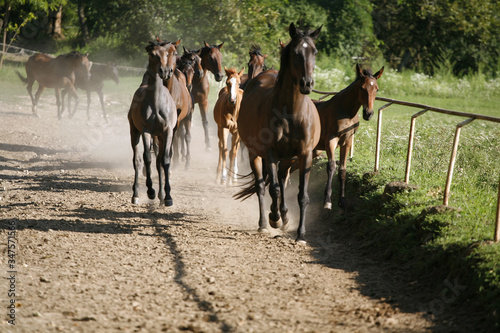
[425, 108]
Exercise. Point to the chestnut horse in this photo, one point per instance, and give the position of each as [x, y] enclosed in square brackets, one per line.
[279, 123]
[226, 112]
[256, 65]
[55, 72]
[339, 122]
[98, 73]
[153, 113]
[211, 60]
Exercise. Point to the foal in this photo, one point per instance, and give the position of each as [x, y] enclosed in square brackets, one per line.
[339, 121]
[226, 113]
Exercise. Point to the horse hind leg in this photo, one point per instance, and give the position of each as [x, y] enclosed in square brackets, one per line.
[163, 162]
[223, 134]
[344, 150]
[146, 139]
[187, 139]
[275, 193]
[135, 138]
[204, 110]
[37, 97]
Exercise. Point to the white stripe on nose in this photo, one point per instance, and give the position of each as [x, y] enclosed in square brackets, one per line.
[232, 94]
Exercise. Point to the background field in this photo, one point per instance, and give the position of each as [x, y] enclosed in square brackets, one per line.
[454, 245]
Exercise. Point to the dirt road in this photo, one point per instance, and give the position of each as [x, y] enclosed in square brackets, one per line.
[87, 260]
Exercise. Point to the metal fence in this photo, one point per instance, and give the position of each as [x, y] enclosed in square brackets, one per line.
[425, 108]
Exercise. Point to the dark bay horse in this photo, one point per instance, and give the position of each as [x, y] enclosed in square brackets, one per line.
[153, 114]
[55, 72]
[279, 123]
[226, 113]
[98, 73]
[339, 122]
[190, 64]
[256, 65]
[211, 60]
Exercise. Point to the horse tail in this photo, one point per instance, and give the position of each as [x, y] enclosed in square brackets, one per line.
[250, 188]
[24, 79]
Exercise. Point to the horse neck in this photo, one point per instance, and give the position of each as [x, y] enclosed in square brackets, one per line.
[348, 98]
[288, 94]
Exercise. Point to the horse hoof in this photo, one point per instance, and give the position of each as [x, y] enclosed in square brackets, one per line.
[328, 206]
[301, 242]
[151, 194]
[275, 224]
[263, 230]
[208, 149]
[169, 202]
[135, 200]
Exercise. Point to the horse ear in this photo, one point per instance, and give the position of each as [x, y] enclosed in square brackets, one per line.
[86, 54]
[292, 30]
[379, 73]
[315, 33]
[359, 72]
[241, 72]
[265, 56]
[206, 44]
[227, 72]
[177, 43]
[185, 51]
[220, 45]
[282, 45]
[158, 39]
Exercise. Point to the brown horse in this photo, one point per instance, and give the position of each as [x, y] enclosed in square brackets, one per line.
[256, 65]
[339, 122]
[98, 73]
[211, 60]
[54, 72]
[279, 123]
[153, 113]
[190, 65]
[226, 112]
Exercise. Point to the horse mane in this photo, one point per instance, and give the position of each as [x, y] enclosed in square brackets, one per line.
[366, 72]
[255, 49]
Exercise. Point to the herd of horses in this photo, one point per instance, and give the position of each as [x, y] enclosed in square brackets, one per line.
[267, 110]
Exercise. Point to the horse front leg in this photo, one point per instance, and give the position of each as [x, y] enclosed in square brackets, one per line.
[187, 138]
[330, 170]
[146, 140]
[283, 173]
[222, 133]
[305, 163]
[37, 97]
[233, 157]
[103, 106]
[135, 138]
[274, 191]
[344, 150]
[88, 105]
[163, 162]
[204, 111]
[60, 107]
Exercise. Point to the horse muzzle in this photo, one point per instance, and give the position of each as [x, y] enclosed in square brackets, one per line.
[306, 85]
[367, 113]
[218, 77]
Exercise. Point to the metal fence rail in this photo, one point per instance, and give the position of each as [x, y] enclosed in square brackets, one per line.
[425, 108]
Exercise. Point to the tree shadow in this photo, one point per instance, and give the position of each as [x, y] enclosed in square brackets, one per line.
[339, 240]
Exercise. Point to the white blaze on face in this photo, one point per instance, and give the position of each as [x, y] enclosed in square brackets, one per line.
[232, 93]
[304, 45]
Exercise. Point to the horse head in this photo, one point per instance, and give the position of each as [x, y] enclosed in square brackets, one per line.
[187, 68]
[256, 64]
[193, 56]
[162, 58]
[299, 56]
[233, 83]
[211, 59]
[80, 63]
[368, 89]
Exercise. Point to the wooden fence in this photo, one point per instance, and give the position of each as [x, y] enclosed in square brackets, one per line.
[425, 108]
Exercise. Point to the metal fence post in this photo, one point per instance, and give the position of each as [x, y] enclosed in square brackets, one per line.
[452, 160]
[410, 143]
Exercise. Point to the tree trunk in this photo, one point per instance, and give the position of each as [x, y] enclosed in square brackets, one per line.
[55, 28]
[4, 29]
[83, 22]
